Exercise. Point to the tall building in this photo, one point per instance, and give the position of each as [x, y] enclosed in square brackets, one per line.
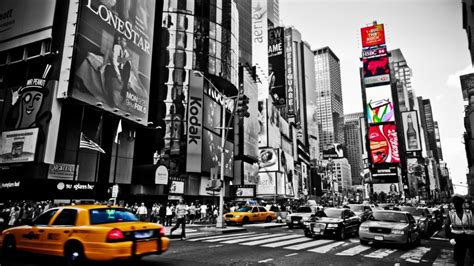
[342, 171]
[403, 74]
[245, 31]
[330, 109]
[273, 9]
[353, 138]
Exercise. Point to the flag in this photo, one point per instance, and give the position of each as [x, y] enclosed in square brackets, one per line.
[119, 129]
[89, 144]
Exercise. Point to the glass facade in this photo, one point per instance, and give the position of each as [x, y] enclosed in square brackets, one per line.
[354, 147]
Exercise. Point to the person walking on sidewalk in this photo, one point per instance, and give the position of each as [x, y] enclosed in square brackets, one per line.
[169, 215]
[192, 213]
[460, 230]
[142, 212]
[180, 219]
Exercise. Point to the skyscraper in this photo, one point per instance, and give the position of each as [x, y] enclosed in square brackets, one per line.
[245, 31]
[329, 97]
[403, 74]
[352, 134]
[273, 9]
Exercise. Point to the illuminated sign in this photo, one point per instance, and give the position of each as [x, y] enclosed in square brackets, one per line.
[379, 107]
[376, 71]
[373, 35]
[383, 142]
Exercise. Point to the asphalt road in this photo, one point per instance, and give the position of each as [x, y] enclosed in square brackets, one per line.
[277, 246]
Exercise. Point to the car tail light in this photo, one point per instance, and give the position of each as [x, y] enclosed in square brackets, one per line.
[162, 231]
[115, 235]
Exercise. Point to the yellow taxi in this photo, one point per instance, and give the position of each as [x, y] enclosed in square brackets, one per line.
[249, 214]
[86, 232]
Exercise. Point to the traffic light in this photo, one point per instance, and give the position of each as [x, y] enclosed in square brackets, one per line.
[242, 108]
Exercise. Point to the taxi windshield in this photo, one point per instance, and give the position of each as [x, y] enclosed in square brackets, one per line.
[244, 209]
[111, 215]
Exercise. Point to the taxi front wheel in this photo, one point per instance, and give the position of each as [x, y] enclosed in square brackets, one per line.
[74, 254]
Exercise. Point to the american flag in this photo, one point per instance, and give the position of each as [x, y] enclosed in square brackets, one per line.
[89, 144]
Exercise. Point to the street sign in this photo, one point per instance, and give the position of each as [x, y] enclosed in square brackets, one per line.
[115, 191]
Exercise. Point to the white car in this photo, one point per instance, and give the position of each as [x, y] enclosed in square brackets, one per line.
[301, 215]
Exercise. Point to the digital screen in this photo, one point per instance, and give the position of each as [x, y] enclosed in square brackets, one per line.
[373, 35]
[376, 71]
[383, 142]
[379, 107]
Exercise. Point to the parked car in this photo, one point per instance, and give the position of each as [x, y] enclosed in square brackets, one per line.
[361, 210]
[422, 217]
[86, 232]
[249, 214]
[337, 222]
[301, 215]
[395, 227]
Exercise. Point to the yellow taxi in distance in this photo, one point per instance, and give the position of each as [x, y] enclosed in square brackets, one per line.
[86, 232]
[249, 214]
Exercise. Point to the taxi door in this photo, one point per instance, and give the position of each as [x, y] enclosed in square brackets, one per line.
[59, 231]
[32, 237]
[255, 214]
[262, 213]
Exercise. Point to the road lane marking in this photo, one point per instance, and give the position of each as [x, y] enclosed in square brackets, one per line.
[195, 234]
[292, 254]
[220, 236]
[326, 248]
[286, 243]
[353, 251]
[380, 253]
[240, 240]
[236, 238]
[258, 242]
[216, 246]
[309, 244]
[263, 261]
[415, 255]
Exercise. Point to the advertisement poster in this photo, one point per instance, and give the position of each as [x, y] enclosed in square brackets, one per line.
[291, 81]
[383, 142]
[269, 160]
[244, 191]
[274, 135]
[363, 133]
[113, 56]
[387, 188]
[374, 52]
[251, 126]
[304, 178]
[411, 131]
[195, 113]
[276, 65]
[266, 183]
[260, 45]
[373, 35]
[212, 115]
[288, 169]
[161, 175]
[384, 174]
[376, 71]
[379, 106]
[177, 187]
[62, 171]
[333, 150]
[18, 145]
[250, 173]
[262, 124]
[467, 84]
[205, 189]
[211, 153]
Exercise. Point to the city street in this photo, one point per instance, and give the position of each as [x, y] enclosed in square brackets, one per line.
[277, 246]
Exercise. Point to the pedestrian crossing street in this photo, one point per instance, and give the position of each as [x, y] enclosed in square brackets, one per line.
[348, 248]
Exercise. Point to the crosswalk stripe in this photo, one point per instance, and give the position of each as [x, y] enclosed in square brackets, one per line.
[195, 234]
[353, 251]
[220, 236]
[240, 240]
[258, 242]
[326, 248]
[309, 244]
[237, 238]
[415, 255]
[380, 253]
[288, 242]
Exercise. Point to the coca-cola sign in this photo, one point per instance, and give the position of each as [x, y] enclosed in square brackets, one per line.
[383, 141]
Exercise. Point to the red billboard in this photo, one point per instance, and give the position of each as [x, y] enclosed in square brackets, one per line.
[376, 71]
[383, 141]
[372, 35]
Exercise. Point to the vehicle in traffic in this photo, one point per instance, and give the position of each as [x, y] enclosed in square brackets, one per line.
[338, 222]
[301, 215]
[86, 232]
[249, 214]
[361, 210]
[394, 227]
[422, 217]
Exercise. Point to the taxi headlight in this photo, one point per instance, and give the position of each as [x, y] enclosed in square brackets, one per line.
[398, 231]
[332, 225]
[237, 216]
[364, 229]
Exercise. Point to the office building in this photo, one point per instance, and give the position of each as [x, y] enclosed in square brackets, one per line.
[353, 147]
[245, 31]
[273, 9]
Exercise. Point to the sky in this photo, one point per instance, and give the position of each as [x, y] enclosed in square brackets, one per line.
[430, 35]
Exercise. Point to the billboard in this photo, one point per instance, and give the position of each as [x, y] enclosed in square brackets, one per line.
[177, 187]
[266, 183]
[363, 133]
[383, 142]
[250, 173]
[211, 153]
[25, 21]
[372, 35]
[291, 81]
[194, 136]
[212, 115]
[260, 44]
[333, 150]
[18, 145]
[289, 176]
[376, 71]
[276, 65]
[372, 52]
[62, 171]
[269, 160]
[251, 125]
[411, 131]
[387, 188]
[274, 134]
[243, 191]
[113, 56]
[379, 107]
[467, 84]
[384, 174]
[262, 124]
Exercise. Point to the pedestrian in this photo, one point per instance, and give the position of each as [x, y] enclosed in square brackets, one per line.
[169, 215]
[14, 216]
[460, 230]
[192, 213]
[154, 213]
[203, 212]
[142, 212]
[180, 219]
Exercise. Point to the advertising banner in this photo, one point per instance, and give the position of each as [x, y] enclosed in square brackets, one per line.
[304, 178]
[263, 124]
[62, 171]
[250, 173]
[25, 21]
[177, 187]
[467, 85]
[243, 191]
[276, 65]
[212, 113]
[211, 153]
[161, 175]
[376, 71]
[411, 131]
[288, 169]
[18, 145]
[251, 124]
[384, 174]
[260, 45]
[373, 35]
[195, 113]
[372, 52]
[113, 56]
[363, 133]
[266, 183]
[274, 135]
[269, 160]
[205, 189]
[387, 188]
[379, 107]
[383, 142]
[333, 150]
[291, 81]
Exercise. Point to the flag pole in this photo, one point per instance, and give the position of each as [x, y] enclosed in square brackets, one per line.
[117, 142]
[99, 140]
[77, 150]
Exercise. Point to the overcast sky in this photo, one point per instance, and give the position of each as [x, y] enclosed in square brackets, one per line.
[430, 36]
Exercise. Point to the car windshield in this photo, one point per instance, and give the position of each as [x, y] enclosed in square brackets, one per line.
[333, 213]
[356, 208]
[389, 217]
[244, 209]
[111, 215]
[303, 209]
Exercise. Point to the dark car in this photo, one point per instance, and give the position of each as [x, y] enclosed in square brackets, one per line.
[361, 210]
[336, 222]
[422, 217]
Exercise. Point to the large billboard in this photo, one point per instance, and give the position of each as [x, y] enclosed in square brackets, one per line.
[379, 107]
[262, 124]
[291, 79]
[195, 120]
[384, 174]
[113, 56]
[266, 183]
[260, 45]
[383, 142]
[333, 150]
[372, 35]
[18, 145]
[276, 65]
[467, 84]
[376, 71]
[250, 173]
[269, 160]
[290, 178]
[411, 131]
[211, 153]
[251, 125]
[274, 134]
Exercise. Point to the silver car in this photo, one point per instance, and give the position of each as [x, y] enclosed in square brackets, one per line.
[395, 227]
[300, 216]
